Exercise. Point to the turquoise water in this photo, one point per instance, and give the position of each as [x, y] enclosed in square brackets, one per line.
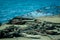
[12, 8]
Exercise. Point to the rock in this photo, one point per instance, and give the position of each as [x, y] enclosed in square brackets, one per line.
[0, 24]
[31, 36]
[52, 33]
[19, 20]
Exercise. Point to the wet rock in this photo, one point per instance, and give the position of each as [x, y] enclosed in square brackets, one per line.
[19, 20]
[0, 24]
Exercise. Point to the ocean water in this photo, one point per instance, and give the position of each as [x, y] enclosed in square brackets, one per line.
[12, 8]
